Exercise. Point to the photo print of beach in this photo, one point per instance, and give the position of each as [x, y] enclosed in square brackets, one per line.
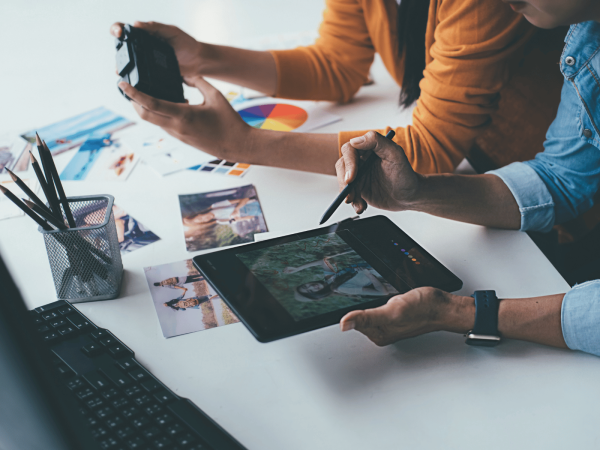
[184, 301]
[70, 133]
[316, 275]
[221, 218]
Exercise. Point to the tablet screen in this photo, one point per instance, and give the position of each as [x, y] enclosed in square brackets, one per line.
[316, 275]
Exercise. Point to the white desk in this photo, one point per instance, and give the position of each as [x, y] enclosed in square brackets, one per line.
[324, 389]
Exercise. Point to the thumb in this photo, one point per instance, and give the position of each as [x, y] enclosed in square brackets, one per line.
[207, 89]
[384, 148]
[354, 320]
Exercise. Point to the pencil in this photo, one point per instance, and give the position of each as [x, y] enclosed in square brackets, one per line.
[13, 198]
[361, 171]
[46, 214]
[25, 188]
[59, 187]
[51, 192]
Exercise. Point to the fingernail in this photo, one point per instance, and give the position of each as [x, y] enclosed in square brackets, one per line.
[357, 140]
[116, 29]
[348, 325]
[347, 177]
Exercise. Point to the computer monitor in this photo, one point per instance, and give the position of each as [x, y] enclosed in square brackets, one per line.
[37, 412]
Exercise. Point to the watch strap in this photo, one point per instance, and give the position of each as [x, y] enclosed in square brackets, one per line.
[485, 331]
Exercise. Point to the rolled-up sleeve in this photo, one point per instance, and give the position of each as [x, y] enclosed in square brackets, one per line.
[580, 317]
[535, 202]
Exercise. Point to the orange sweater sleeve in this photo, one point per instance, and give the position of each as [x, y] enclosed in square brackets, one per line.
[471, 44]
[337, 65]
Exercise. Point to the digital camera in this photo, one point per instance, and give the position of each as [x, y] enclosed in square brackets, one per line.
[149, 64]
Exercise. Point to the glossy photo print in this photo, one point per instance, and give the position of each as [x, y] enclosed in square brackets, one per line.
[184, 301]
[221, 218]
[316, 275]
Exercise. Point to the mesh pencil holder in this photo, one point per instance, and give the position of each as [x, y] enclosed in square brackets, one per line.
[86, 261]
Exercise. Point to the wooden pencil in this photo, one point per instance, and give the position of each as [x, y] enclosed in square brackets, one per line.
[26, 189]
[59, 187]
[13, 198]
[51, 192]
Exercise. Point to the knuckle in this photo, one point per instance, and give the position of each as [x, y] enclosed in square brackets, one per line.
[339, 164]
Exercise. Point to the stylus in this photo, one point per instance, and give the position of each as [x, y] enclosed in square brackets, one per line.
[361, 170]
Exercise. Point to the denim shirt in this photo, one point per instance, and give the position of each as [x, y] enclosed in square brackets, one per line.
[560, 183]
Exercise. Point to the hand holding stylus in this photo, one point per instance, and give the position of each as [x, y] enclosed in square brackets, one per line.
[390, 183]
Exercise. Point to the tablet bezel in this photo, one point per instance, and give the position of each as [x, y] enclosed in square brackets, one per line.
[261, 312]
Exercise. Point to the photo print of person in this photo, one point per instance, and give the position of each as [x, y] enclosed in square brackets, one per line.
[184, 301]
[221, 218]
[316, 275]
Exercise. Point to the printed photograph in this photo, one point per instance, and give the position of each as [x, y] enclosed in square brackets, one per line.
[14, 153]
[72, 132]
[316, 275]
[100, 158]
[221, 218]
[184, 301]
[131, 233]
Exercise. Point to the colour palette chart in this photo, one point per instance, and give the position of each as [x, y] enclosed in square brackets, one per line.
[274, 116]
[222, 167]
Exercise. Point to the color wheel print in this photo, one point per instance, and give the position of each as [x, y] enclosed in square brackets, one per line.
[277, 116]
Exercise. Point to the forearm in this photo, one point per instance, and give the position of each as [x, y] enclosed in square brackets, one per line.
[299, 151]
[252, 69]
[477, 199]
[536, 319]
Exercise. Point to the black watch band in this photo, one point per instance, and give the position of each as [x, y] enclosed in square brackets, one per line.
[485, 331]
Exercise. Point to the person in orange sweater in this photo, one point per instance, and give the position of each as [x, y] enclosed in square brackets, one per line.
[468, 64]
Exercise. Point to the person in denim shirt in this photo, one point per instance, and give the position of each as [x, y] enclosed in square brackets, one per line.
[558, 185]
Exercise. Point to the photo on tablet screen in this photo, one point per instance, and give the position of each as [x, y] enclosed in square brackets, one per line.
[316, 275]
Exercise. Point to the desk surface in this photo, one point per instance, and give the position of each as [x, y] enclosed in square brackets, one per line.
[323, 389]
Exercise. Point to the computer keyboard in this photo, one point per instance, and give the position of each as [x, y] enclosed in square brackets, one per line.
[125, 406]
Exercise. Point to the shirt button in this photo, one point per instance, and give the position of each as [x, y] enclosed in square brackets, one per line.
[587, 133]
[570, 61]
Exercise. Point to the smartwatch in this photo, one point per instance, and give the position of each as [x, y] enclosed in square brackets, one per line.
[485, 332]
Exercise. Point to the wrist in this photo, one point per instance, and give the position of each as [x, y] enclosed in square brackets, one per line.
[210, 61]
[457, 314]
[413, 197]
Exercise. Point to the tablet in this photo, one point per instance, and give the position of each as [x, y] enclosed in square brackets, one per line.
[297, 283]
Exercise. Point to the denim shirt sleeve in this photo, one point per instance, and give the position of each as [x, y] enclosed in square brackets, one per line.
[535, 202]
[580, 317]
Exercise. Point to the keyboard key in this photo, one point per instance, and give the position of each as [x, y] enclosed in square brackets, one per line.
[141, 422]
[126, 432]
[110, 393]
[97, 380]
[164, 419]
[69, 329]
[110, 443]
[143, 400]
[136, 443]
[58, 322]
[64, 310]
[94, 402]
[99, 432]
[129, 412]
[115, 422]
[127, 364]
[105, 412]
[85, 393]
[119, 402]
[164, 397]
[65, 371]
[118, 350]
[93, 421]
[43, 329]
[139, 374]
[37, 319]
[133, 391]
[75, 383]
[78, 321]
[152, 432]
[186, 439]
[115, 375]
[49, 315]
[108, 341]
[174, 429]
[151, 385]
[92, 349]
[153, 410]
[51, 336]
[162, 442]
[100, 334]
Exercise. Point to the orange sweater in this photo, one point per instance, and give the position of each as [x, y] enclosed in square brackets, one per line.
[472, 49]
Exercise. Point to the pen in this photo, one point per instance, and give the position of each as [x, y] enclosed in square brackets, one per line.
[26, 189]
[59, 187]
[13, 198]
[361, 170]
[51, 192]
